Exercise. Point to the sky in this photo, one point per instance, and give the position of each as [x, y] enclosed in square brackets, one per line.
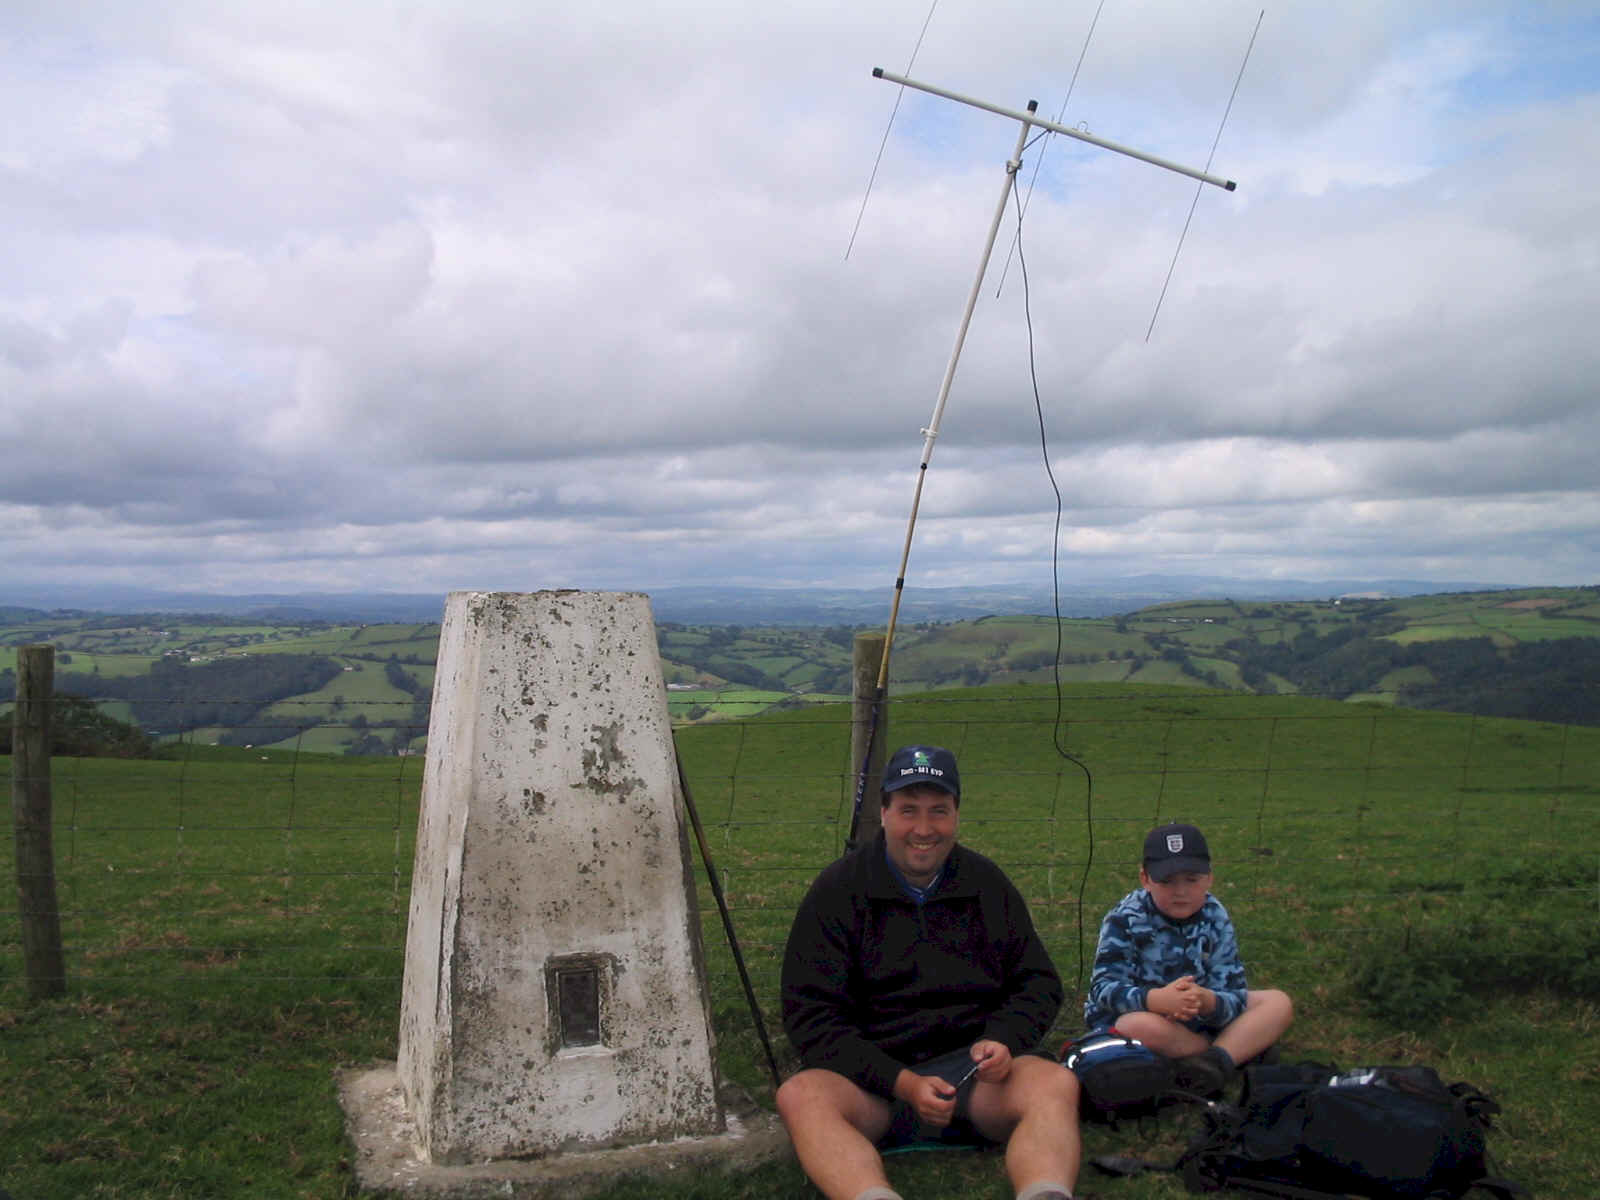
[414, 297]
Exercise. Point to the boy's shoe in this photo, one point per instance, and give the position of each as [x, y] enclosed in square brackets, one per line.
[1205, 1074]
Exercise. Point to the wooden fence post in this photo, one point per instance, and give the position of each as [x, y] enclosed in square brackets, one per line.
[865, 659]
[31, 817]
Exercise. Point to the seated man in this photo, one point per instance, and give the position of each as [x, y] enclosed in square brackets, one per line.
[914, 989]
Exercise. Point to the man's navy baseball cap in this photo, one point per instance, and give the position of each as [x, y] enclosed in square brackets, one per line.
[1169, 849]
[913, 765]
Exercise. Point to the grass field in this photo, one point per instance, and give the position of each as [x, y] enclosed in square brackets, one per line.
[235, 921]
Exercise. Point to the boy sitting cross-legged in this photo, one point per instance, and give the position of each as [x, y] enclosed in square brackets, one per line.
[1167, 969]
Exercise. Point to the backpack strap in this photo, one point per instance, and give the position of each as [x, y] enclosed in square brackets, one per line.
[1501, 1189]
[1477, 1104]
[1123, 1166]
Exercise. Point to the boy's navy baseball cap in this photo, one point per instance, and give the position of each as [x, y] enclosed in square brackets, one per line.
[932, 765]
[1169, 849]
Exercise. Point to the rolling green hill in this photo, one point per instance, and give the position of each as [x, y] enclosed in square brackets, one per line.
[364, 688]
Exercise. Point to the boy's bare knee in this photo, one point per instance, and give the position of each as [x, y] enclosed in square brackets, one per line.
[1278, 1003]
[1136, 1023]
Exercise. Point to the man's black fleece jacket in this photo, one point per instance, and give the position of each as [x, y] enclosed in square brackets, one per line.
[873, 983]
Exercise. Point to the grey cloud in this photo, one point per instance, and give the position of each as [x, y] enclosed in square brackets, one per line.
[486, 295]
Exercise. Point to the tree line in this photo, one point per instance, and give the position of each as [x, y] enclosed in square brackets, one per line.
[176, 696]
[1544, 681]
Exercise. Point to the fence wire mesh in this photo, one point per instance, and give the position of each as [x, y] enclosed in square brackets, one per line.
[1334, 827]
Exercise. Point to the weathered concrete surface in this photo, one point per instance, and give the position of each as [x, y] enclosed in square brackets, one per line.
[550, 837]
[385, 1159]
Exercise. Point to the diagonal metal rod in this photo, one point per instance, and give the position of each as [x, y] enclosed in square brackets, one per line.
[727, 917]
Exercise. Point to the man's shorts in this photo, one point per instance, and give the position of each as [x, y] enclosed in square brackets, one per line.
[906, 1128]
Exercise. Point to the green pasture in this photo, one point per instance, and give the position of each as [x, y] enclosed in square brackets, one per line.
[1198, 610]
[1205, 636]
[1524, 615]
[683, 638]
[425, 647]
[384, 636]
[802, 673]
[334, 640]
[234, 919]
[1445, 631]
[1224, 669]
[361, 687]
[111, 665]
[1160, 672]
[776, 665]
[1099, 671]
[334, 738]
[722, 703]
[1532, 625]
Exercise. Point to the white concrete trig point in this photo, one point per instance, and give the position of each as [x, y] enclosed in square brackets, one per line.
[554, 1004]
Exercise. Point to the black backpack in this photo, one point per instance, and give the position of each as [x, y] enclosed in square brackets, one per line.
[1118, 1076]
[1309, 1131]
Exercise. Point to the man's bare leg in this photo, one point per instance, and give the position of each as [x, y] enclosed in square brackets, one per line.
[1034, 1111]
[834, 1125]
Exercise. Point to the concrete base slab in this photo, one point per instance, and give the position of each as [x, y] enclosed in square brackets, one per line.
[385, 1157]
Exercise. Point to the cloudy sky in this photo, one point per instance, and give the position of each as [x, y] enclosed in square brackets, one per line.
[414, 296]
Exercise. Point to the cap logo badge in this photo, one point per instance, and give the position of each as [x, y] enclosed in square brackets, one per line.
[1174, 843]
[921, 764]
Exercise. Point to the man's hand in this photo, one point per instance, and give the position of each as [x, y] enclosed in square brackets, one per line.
[993, 1059]
[933, 1100]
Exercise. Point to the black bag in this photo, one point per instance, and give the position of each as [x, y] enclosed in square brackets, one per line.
[1308, 1130]
[1118, 1076]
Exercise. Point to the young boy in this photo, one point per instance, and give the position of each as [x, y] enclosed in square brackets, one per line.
[1167, 969]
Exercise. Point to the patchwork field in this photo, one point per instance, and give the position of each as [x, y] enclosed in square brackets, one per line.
[1471, 652]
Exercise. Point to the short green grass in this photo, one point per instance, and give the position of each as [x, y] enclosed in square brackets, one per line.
[235, 919]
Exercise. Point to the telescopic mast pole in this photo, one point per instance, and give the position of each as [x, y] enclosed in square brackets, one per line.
[931, 433]
[1028, 121]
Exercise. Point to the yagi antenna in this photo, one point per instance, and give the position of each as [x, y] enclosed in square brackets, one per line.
[1027, 121]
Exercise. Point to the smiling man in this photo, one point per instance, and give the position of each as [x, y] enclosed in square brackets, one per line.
[915, 990]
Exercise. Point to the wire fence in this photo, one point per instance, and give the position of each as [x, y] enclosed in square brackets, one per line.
[1333, 826]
